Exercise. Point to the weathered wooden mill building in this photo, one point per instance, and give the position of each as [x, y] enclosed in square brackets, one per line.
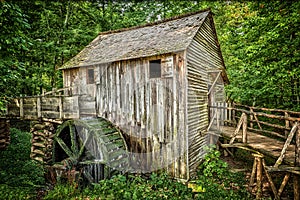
[155, 83]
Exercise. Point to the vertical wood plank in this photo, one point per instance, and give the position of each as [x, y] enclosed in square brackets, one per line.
[287, 124]
[21, 107]
[185, 96]
[297, 164]
[251, 118]
[38, 107]
[245, 135]
[259, 177]
[60, 107]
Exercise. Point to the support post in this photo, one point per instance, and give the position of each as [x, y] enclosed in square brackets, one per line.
[38, 107]
[297, 164]
[233, 136]
[283, 184]
[229, 111]
[259, 176]
[233, 116]
[245, 137]
[270, 180]
[286, 144]
[60, 105]
[287, 124]
[253, 172]
[21, 107]
[251, 118]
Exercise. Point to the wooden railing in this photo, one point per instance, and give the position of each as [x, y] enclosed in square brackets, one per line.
[56, 104]
[283, 125]
[272, 122]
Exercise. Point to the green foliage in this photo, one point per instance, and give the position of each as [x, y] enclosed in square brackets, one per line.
[261, 53]
[214, 182]
[16, 167]
[13, 44]
[217, 181]
[63, 191]
[12, 193]
[259, 41]
[212, 166]
[126, 187]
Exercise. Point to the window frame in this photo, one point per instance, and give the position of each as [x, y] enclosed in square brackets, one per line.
[88, 77]
[156, 66]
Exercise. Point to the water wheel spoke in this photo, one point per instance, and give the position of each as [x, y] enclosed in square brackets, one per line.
[63, 145]
[87, 139]
[74, 146]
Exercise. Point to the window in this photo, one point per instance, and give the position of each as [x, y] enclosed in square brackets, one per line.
[90, 76]
[155, 68]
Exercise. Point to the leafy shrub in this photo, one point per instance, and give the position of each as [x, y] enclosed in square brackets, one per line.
[126, 187]
[20, 176]
[16, 167]
[213, 166]
[63, 191]
[13, 193]
[218, 182]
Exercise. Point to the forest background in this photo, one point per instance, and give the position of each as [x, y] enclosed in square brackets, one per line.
[259, 40]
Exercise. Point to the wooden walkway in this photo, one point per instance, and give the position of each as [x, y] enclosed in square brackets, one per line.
[266, 145]
[266, 133]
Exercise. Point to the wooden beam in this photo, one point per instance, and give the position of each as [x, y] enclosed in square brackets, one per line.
[270, 180]
[283, 184]
[244, 137]
[252, 177]
[258, 176]
[38, 107]
[286, 144]
[287, 124]
[21, 108]
[214, 83]
[297, 164]
[211, 122]
[233, 136]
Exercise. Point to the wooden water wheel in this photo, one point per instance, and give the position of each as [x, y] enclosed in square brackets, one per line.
[93, 148]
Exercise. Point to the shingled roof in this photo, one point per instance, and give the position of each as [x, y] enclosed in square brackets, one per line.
[157, 38]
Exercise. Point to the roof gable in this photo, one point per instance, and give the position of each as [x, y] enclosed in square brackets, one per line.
[158, 38]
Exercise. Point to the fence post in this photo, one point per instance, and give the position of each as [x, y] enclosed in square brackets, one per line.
[21, 107]
[245, 139]
[38, 107]
[251, 118]
[229, 111]
[297, 164]
[233, 114]
[287, 124]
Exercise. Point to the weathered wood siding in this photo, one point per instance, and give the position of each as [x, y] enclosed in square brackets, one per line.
[77, 80]
[203, 56]
[70, 78]
[151, 111]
